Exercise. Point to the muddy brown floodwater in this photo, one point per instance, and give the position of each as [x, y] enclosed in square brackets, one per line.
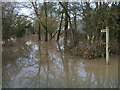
[28, 63]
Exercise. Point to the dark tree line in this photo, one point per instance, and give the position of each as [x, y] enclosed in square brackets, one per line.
[63, 19]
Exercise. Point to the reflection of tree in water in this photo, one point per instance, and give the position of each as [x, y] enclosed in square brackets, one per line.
[98, 75]
[47, 66]
[70, 69]
[37, 76]
[42, 76]
[16, 59]
[66, 70]
[10, 67]
[74, 73]
[93, 70]
[53, 67]
[65, 66]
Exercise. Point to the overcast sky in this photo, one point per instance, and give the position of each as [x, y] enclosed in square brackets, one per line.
[25, 11]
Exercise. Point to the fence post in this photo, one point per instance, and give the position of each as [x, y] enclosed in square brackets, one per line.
[107, 45]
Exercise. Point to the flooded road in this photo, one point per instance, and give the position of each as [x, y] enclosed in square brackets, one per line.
[31, 64]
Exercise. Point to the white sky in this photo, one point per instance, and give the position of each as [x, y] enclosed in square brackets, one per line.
[25, 11]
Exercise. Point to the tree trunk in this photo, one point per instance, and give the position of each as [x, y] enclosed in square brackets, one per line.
[60, 28]
[46, 34]
[65, 30]
[39, 32]
[75, 31]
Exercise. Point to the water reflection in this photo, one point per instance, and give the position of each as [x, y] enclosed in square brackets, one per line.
[43, 65]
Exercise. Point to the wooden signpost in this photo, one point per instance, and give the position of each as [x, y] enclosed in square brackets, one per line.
[107, 44]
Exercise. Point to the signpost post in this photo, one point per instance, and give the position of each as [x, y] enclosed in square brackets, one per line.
[107, 44]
